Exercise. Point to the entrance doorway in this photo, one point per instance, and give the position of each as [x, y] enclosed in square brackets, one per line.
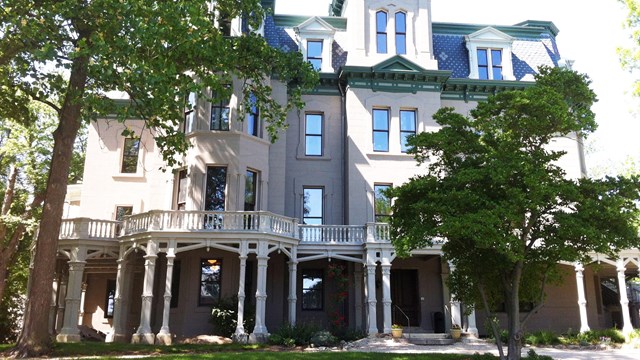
[404, 295]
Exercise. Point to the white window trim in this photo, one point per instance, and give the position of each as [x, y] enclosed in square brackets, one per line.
[490, 39]
[322, 31]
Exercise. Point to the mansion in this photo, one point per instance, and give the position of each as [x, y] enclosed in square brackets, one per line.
[145, 254]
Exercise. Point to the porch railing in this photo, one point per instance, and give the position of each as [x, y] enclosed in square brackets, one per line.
[85, 228]
[224, 221]
[217, 221]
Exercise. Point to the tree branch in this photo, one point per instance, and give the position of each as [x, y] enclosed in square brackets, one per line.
[494, 328]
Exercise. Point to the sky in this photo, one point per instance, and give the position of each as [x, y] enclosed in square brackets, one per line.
[590, 33]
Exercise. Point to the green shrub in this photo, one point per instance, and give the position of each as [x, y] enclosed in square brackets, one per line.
[225, 319]
[542, 338]
[599, 336]
[323, 338]
[293, 335]
[531, 355]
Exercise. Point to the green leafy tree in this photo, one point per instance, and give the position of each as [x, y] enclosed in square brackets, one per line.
[630, 56]
[494, 190]
[25, 153]
[69, 54]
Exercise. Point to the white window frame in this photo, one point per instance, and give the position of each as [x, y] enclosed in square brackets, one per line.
[490, 39]
[316, 29]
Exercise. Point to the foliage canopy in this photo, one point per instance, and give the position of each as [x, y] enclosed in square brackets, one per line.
[495, 189]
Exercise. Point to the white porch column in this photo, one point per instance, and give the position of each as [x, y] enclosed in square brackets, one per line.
[118, 332]
[357, 285]
[456, 316]
[144, 335]
[164, 336]
[53, 306]
[69, 332]
[371, 301]
[624, 300]
[260, 330]
[293, 279]
[582, 300]
[239, 335]
[82, 296]
[471, 326]
[386, 295]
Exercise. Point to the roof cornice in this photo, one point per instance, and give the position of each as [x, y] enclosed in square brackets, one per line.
[532, 29]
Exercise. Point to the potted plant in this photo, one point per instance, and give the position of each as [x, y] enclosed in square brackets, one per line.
[396, 331]
[456, 331]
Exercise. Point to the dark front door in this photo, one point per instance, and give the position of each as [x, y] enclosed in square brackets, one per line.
[404, 295]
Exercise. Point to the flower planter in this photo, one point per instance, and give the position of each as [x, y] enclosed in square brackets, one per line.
[456, 333]
[396, 333]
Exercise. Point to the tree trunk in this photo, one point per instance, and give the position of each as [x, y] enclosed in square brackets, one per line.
[512, 300]
[35, 339]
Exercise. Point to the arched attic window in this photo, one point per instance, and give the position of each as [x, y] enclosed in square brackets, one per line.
[381, 32]
[401, 32]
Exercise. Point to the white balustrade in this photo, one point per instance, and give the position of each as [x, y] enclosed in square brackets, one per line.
[224, 221]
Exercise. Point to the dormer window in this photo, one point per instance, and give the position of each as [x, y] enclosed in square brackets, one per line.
[315, 40]
[401, 33]
[490, 55]
[381, 32]
[490, 64]
[314, 53]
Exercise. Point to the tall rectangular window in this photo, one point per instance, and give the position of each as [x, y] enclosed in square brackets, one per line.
[382, 203]
[401, 33]
[210, 281]
[496, 64]
[312, 289]
[122, 211]
[253, 117]
[250, 190]
[110, 301]
[314, 53]
[220, 110]
[313, 135]
[216, 186]
[380, 130]
[407, 127]
[130, 156]
[181, 190]
[189, 113]
[381, 32]
[489, 64]
[312, 206]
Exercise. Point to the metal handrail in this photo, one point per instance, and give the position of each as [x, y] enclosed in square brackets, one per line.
[408, 321]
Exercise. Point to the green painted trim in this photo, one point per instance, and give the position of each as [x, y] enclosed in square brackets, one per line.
[394, 86]
[549, 25]
[517, 31]
[290, 21]
[335, 8]
[329, 85]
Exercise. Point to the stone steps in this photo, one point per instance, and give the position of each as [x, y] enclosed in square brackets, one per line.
[428, 338]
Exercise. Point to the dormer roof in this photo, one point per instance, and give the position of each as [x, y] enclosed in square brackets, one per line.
[489, 34]
[315, 25]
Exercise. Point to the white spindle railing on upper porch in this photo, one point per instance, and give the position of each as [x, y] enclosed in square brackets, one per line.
[85, 228]
[225, 221]
[214, 221]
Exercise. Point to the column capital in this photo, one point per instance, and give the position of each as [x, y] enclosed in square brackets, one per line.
[579, 267]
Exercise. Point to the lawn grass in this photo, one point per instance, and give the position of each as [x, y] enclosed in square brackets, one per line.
[221, 352]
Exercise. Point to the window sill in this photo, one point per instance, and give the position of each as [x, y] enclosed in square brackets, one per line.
[388, 155]
[313, 158]
[128, 177]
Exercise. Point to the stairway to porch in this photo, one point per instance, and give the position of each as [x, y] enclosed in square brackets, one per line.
[418, 336]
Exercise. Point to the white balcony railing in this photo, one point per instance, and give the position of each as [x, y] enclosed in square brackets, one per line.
[85, 228]
[216, 221]
[224, 221]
